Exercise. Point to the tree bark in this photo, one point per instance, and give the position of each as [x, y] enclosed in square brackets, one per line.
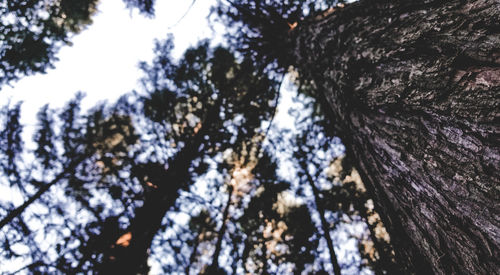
[412, 88]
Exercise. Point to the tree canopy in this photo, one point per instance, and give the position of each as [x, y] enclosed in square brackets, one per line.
[33, 31]
[195, 172]
[198, 123]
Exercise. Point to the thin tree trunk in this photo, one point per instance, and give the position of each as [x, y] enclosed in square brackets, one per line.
[222, 231]
[245, 255]
[412, 88]
[264, 258]
[324, 224]
[192, 257]
[236, 253]
[129, 255]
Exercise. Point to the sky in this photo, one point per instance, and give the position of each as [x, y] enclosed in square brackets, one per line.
[103, 60]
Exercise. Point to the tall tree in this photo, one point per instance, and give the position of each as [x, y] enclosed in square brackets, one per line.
[412, 89]
[202, 102]
[67, 167]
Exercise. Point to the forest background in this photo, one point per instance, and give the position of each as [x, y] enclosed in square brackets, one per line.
[226, 160]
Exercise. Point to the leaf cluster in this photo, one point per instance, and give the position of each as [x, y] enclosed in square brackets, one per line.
[32, 31]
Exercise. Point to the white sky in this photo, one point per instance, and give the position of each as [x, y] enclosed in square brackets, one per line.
[103, 59]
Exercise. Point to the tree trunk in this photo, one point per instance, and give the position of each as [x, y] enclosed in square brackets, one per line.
[412, 88]
[130, 252]
[324, 224]
[222, 231]
[194, 253]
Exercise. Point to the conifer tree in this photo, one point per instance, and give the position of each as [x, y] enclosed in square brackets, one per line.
[411, 87]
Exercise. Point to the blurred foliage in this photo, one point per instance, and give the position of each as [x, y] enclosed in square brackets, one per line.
[264, 27]
[11, 143]
[33, 31]
[110, 158]
[194, 132]
[278, 228]
[146, 7]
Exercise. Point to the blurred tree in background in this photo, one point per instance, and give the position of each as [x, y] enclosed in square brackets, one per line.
[123, 173]
[32, 31]
[192, 174]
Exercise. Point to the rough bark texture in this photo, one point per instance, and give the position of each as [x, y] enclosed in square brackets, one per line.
[413, 88]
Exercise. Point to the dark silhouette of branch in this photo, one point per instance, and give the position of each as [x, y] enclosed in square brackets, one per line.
[324, 223]
[184, 15]
[19, 210]
[225, 216]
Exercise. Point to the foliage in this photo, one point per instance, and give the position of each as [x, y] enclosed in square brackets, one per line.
[188, 145]
[265, 26]
[33, 31]
[145, 6]
[10, 142]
